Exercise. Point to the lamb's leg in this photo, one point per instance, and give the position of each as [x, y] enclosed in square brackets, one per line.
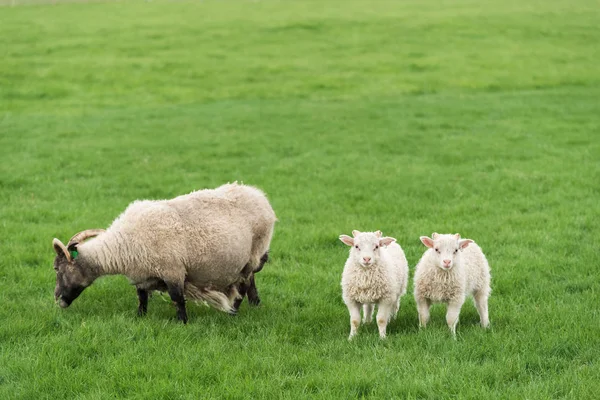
[368, 313]
[253, 292]
[143, 301]
[354, 309]
[452, 316]
[423, 306]
[481, 303]
[396, 308]
[384, 313]
[176, 293]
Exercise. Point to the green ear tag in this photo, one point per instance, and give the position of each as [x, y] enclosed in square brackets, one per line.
[74, 254]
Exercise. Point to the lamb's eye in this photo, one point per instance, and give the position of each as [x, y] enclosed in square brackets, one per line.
[455, 251]
[376, 247]
[437, 250]
[356, 246]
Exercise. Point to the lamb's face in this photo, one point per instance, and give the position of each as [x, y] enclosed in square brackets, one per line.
[366, 249]
[446, 249]
[366, 246]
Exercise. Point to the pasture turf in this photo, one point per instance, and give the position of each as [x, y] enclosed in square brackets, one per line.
[411, 117]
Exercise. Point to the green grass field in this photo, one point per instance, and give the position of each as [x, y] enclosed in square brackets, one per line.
[411, 117]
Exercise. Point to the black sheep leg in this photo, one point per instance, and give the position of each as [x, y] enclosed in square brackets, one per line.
[242, 289]
[252, 292]
[176, 293]
[143, 301]
[249, 287]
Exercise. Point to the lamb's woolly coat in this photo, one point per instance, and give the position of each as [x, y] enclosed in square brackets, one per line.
[470, 274]
[384, 281]
[203, 240]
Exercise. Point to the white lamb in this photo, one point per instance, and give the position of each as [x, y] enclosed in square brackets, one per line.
[449, 271]
[376, 272]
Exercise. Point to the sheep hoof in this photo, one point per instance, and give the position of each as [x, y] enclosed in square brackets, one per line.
[255, 301]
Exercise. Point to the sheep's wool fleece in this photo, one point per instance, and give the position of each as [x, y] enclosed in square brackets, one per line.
[385, 281]
[470, 274]
[204, 238]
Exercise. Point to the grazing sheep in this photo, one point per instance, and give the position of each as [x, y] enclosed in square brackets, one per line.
[376, 272]
[449, 271]
[203, 246]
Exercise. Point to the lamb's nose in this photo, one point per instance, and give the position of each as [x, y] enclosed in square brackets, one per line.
[367, 259]
[447, 262]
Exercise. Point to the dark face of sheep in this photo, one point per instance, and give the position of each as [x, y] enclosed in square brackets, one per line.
[71, 279]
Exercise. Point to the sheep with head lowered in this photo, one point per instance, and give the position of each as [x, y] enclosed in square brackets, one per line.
[376, 272]
[206, 245]
[450, 270]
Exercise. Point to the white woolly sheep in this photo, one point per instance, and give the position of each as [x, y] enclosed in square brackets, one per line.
[204, 245]
[449, 271]
[376, 272]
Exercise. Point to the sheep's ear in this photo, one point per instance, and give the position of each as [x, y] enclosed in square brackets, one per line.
[464, 243]
[386, 241]
[427, 241]
[378, 234]
[355, 233]
[457, 235]
[60, 249]
[434, 235]
[347, 240]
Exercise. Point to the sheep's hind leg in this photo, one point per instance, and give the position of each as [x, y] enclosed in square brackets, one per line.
[368, 313]
[143, 301]
[396, 308]
[481, 303]
[176, 293]
[252, 292]
[242, 290]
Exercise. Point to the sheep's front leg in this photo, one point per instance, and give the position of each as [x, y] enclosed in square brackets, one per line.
[423, 306]
[384, 313]
[143, 301]
[354, 309]
[176, 293]
[452, 315]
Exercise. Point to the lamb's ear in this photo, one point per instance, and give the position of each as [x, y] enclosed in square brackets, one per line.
[427, 241]
[386, 241]
[464, 243]
[378, 234]
[60, 249]
[347, 240]
[434, 235]
[355, 233]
